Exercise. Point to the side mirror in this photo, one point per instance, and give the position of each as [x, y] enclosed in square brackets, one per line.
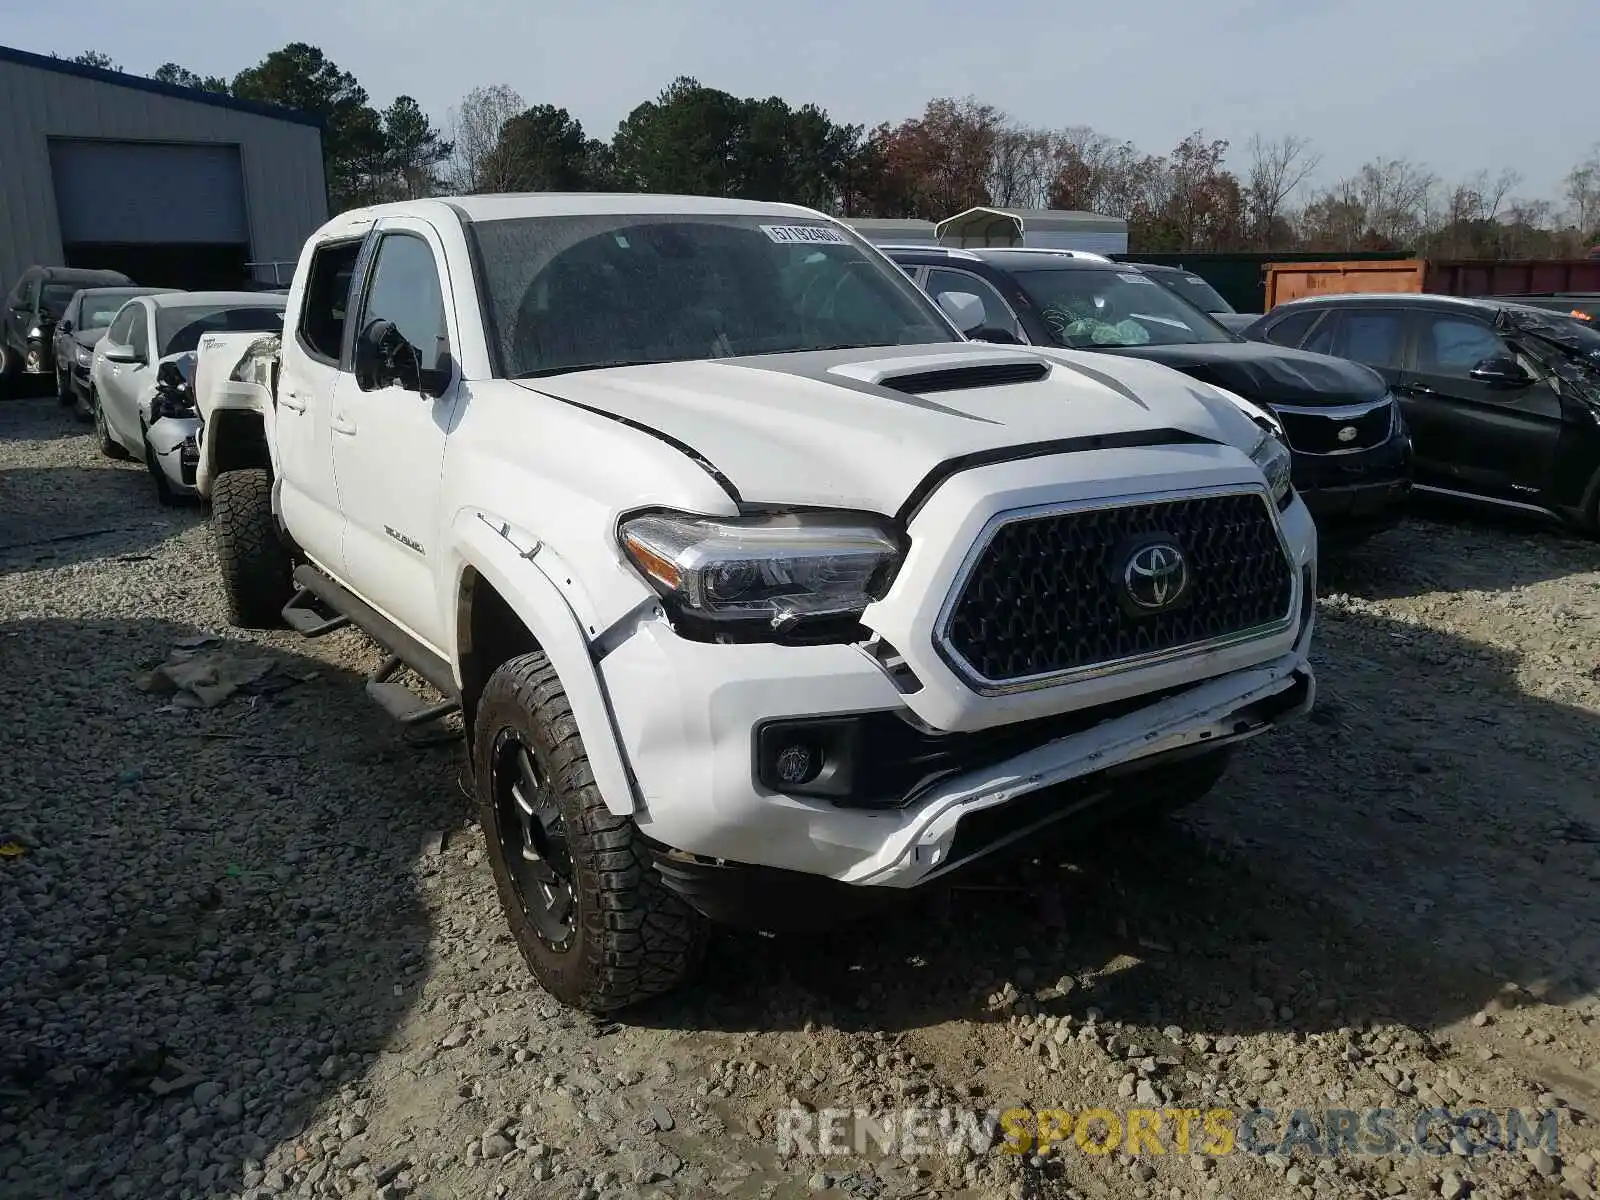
[1501, 371]
[383, 358]
[965, 309]
[122, 354]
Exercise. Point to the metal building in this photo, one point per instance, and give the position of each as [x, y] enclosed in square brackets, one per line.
[171, 186]
[891, 231]
[1050, 228]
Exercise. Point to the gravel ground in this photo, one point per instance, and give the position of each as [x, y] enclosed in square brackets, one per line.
[253, 949]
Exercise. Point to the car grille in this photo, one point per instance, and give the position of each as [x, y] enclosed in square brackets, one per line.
[1314, 431]
[1044, 598]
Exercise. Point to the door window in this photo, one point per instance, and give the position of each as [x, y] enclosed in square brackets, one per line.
[117, 335]
[1454, 345]
[405, 292]
[1369, 335]
[327, 297]
[1292, 330]
[138, 330]
[996, 312]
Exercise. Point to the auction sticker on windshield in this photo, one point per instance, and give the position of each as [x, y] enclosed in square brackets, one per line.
[1133, 277]
[805, 234]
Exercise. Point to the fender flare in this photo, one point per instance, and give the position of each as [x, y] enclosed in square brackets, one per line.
[511, 567]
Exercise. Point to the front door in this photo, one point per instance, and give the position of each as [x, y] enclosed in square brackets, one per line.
[1481, 437]
[121, 382]
[389, 436]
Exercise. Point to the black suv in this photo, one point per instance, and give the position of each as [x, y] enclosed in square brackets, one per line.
[1503, 399]
[1352, 457]
[1198, 293]
[34, 305]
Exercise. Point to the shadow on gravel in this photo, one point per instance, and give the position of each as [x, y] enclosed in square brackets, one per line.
[1442, 548]
[211, 925]
[1425, 839]
[58, 516]
[37, 416]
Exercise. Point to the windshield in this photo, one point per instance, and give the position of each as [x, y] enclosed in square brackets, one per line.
[98, 308]
[180, 328]
[568, 293]
[1195, 290]
[54, 298]
[1086, 309]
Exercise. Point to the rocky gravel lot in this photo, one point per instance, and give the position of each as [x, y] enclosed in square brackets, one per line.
[253, 949]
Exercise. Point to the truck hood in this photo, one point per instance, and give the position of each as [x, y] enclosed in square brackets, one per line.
[861, 428]
[1268, 374]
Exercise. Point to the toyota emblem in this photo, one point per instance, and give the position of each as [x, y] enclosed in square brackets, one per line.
[1156, 576]
[1348, 433]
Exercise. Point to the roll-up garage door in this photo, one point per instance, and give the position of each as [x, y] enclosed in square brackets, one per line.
[143, 192]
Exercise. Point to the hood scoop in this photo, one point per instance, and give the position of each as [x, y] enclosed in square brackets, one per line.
[926, 373]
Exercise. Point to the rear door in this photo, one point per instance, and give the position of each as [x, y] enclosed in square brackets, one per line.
[1493, 439]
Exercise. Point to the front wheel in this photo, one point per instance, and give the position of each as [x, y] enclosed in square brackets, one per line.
[591, 915]
[257, 575]
[109, 446]
[165, 496]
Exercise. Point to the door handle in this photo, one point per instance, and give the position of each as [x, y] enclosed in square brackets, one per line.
[1415, 389]
[344, 425]
[292, 401]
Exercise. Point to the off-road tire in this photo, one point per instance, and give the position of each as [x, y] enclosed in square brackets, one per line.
[165, 496]
[109, 446]
[252, 559]
[632, 937]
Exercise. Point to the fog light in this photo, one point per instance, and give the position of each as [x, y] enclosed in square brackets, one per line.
[35, 360]
[796, 764]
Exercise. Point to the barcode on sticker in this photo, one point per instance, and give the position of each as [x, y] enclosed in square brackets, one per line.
[798, 235]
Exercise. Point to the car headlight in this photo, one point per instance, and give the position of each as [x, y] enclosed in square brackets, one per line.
[764, 573]
[83, 356]
[1276, 463]
[35, 334]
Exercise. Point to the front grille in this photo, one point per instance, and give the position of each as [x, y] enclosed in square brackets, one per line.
[1313, 432]
[1045, 597]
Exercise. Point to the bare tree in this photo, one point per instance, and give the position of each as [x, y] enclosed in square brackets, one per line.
[1583, 193]
[474, 129]
[1024, 164]
[1278, 168]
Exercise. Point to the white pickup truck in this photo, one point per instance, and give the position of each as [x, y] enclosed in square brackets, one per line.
[762, 593]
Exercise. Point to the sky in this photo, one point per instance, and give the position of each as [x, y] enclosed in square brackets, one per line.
[1458, 85]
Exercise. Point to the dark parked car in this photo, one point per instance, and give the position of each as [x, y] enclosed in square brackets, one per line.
[1503, 399]
[1352, 458]
[32, 308]
[1198, 293]
[80, 329]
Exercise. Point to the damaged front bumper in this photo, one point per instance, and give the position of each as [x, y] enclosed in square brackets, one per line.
[175, 444]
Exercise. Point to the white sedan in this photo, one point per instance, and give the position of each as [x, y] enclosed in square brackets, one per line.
[146, 331]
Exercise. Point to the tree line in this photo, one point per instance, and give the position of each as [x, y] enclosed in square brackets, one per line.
[1201, 195]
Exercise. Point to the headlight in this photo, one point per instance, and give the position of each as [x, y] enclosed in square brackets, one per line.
[766, 571]
[35, 334]
[1273, 457]
[83, 356]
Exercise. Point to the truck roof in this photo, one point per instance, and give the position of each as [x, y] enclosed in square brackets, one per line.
[503, 205]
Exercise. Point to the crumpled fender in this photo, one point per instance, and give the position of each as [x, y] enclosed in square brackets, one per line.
[218, 395]
[514, 562]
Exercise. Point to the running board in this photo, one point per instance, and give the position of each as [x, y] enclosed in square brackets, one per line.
[304, 619]
[399, 701]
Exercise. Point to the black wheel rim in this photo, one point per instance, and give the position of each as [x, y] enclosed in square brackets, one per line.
[533, 840]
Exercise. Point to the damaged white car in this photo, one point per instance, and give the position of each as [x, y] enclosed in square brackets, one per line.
[764, 594]
[141, 380]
